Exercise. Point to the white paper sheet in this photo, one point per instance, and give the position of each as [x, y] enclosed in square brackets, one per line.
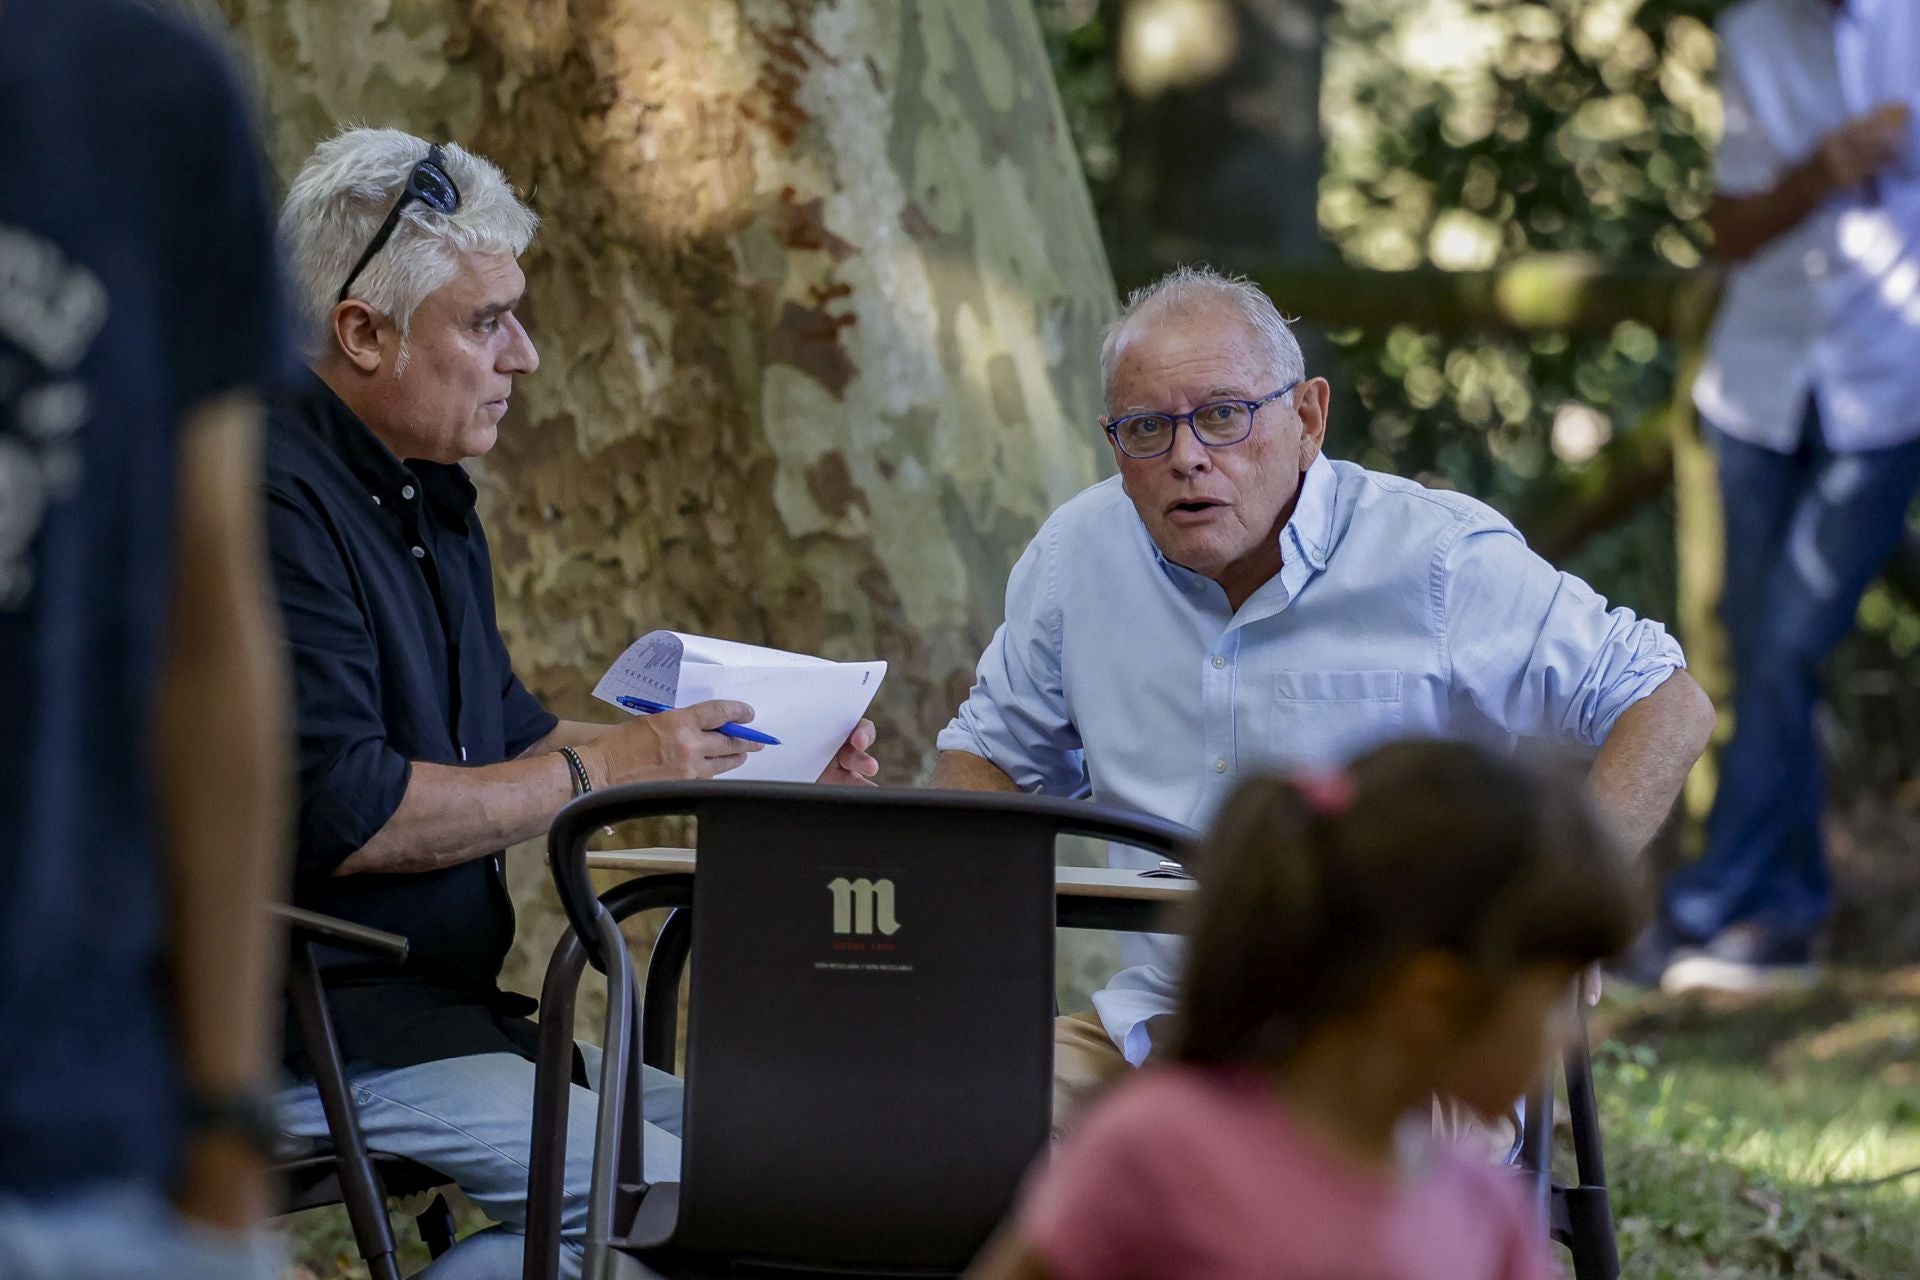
[809, 703]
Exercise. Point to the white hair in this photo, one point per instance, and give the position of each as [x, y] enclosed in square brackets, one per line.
[1186, 290]
[342, 195]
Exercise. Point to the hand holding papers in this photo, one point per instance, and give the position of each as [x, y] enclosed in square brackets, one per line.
[808, 703]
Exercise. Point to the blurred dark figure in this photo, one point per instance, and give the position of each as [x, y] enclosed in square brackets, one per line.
[141, 806]
[1811, 394]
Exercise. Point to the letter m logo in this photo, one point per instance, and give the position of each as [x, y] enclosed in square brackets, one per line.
[859, 906]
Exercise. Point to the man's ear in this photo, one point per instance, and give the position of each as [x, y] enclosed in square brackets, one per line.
[1311, 400]
[357, 332]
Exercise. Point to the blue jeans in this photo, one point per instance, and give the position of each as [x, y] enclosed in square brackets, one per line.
[124, 1231]
[1806, 533]
[472, 1118]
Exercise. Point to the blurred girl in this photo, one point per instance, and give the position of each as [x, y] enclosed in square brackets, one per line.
[1360, 942]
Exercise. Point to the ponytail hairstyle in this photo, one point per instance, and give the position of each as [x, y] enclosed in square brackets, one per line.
[1315, 889]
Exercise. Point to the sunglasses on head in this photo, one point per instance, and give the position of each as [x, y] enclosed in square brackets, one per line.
[428, 183]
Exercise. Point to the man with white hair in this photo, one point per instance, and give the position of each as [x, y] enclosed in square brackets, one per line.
[1234, 600]
[421, 754]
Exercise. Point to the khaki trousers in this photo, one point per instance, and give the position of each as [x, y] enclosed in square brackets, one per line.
[1086, 1063]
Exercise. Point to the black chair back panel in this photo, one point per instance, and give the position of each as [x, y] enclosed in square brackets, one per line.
[872, 1004]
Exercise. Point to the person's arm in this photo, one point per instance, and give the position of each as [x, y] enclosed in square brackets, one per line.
[1644, 761]
[965, 771]
[1760, 198]
[1543, 656]
[851, 766]
[1015, 731]
[450, 814]
[222, 765]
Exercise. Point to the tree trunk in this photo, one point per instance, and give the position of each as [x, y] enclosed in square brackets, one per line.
[818, 295]
[1701, 553]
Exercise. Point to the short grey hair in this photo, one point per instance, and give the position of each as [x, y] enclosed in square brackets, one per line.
[342, 195]
[1187, 290]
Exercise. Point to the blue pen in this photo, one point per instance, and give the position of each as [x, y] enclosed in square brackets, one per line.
[648, 707]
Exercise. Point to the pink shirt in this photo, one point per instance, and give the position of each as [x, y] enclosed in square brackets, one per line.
[1186, 1172]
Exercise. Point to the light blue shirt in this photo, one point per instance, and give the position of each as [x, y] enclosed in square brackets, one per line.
[1399, 611]
[1830, 308]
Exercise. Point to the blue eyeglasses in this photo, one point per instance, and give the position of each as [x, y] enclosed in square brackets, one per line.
[1215, 424]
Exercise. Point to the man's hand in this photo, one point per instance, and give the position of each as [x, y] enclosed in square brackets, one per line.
[853, 766]
[669, 744]
[1851, 155]
[1863, 146]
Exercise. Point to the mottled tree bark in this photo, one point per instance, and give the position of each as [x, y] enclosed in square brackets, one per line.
[818, 295]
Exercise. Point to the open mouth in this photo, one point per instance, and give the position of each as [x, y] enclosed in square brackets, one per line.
[1194, 507]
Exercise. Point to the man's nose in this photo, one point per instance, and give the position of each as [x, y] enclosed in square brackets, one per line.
[1188, 454]
[520, 357]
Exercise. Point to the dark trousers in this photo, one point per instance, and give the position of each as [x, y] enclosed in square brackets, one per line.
[1806, 533]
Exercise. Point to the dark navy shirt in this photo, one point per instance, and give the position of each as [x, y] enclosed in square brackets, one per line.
[137, 281]
[387, 588]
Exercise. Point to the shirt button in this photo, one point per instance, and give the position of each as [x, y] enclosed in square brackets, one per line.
[419, 553]
[375, 497]
[1218, 663]
[1219, 766]
[406, 491]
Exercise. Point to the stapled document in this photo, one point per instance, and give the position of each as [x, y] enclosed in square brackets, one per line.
[809, 703]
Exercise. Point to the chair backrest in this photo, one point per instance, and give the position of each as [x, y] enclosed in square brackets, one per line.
[869, 1049]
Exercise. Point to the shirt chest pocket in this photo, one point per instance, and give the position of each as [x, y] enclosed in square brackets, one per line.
[1319, 718]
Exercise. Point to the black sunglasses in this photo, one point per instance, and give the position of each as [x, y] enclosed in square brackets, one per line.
[429, 184]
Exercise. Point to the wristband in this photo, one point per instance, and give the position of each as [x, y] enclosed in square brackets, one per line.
[581, 782]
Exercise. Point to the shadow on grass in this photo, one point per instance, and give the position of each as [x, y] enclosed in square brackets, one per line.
[1736, 1134]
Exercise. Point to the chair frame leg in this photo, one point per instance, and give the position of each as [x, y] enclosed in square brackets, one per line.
[360, 1186]
[1590, 1230]
[617, 1098]
[546, 1176]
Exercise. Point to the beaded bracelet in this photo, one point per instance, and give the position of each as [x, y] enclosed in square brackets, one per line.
[581, 782]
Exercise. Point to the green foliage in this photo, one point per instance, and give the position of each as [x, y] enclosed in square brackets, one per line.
[1080, 43]
[1461, 135]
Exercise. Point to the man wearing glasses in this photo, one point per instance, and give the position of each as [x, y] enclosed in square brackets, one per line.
[1234, 600]
[421, 754]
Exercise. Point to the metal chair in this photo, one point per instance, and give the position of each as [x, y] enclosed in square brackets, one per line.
[1579, 1216]
[342, 1170]
[870, 1034]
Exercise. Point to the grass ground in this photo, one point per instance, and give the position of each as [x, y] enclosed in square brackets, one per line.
[1770, 1138]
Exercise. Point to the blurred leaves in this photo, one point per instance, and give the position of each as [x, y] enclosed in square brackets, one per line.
[1465, 133]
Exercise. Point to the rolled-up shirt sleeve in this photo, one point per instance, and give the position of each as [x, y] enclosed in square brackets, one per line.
[1016, 714]
[525, 719]
[350, 780]
[1538, 651]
